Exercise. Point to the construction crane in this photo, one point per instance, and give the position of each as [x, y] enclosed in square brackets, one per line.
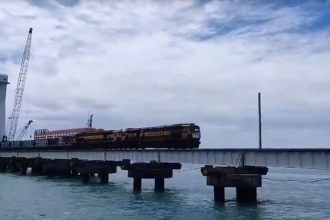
[24, 130]
[20, 88]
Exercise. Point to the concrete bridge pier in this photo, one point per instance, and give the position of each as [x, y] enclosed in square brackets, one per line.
[137, 184]
[159, 184]
[152, 170]
[104, 178]
[246, 179]
[3, 164]
[88, 169]
[219, 193]
[74, 164]
[56, 167]
[22, 164]
[246, 194]
[36, 165]
[12, 165]
[18, 164]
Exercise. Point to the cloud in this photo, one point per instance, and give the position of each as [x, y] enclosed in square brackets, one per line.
[147, 63]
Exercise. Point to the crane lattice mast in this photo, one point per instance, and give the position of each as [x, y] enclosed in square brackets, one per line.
[20, 88]
[24, 130]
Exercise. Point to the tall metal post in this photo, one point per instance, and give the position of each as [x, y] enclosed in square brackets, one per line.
[259, 111]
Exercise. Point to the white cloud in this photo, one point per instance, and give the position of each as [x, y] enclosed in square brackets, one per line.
[143, 63]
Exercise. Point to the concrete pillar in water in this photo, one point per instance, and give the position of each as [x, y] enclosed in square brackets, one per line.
[248, 195]
[85, 177]
[152, 170]
[3, 166]
[137, 184]
[104, 178]
[245, 179]
[159, 184]
[13, 165]
[22, 170]
[219, 194]
[91, 167]
[37, 166]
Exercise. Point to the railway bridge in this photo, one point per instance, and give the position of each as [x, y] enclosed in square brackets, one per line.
[307, 158]
[230, 167]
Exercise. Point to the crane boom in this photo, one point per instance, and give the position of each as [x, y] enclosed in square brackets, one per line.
[24, 130]
[20, 88]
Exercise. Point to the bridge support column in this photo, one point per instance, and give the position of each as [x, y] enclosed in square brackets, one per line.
[248, 194]
[74, 163]
[102, 168]
[137, 184]
[12, 166]
[104, 178]
[36, 167]
[159, 184]
[3, 164]
[56, 167]
[246, 179]
[219, 194]
[22, 170]
[85, 177]
[152, 170]
[22, 164]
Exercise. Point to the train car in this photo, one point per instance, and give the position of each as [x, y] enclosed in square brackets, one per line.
[93, 139]
[108, 139]
[65, 137]
[179, 136]
[171, 136]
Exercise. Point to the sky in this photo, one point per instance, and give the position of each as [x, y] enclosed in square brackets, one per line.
[148, 63]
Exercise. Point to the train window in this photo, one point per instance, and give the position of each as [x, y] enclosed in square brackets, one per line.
[196, 129]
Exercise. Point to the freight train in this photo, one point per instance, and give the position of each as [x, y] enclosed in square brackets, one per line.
[178, 136]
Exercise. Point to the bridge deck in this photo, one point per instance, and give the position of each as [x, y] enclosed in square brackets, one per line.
[288, 158]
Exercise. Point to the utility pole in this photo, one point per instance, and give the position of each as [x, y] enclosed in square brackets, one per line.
[90, 121]
[259, 111]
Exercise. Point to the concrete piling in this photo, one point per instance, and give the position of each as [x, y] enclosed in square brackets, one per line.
[246, 194]
[12, 166]
[85, 177]
[36, 166]
[74, 163]
[102, 168]
[3, 164]
[104, 178]
[159, 184]
[22, 170]
[56, 167]
[219, 193]
[137, 184]
[153, 170]
[246, 179]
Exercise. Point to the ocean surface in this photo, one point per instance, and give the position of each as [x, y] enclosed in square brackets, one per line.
[286, 194]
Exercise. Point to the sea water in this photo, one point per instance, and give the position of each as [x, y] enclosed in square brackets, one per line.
[285, 194]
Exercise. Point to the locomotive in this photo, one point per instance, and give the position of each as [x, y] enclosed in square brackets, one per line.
[178, 136]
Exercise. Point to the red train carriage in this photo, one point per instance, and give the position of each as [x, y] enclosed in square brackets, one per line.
[65, 137]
